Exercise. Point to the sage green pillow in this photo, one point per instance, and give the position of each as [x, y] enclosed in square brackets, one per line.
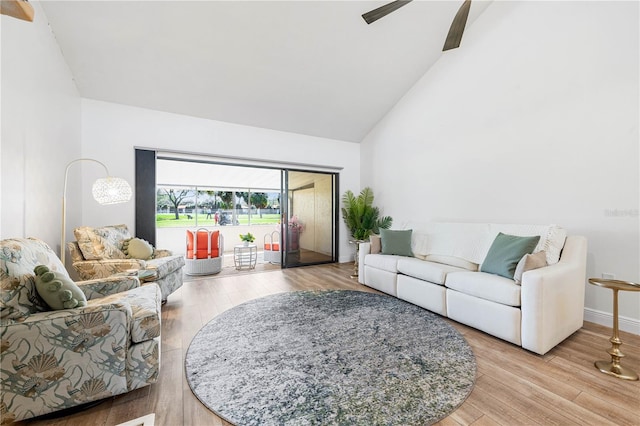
[505, 253]
[396, 242]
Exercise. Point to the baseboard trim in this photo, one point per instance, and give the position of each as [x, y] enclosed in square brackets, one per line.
[605, 318]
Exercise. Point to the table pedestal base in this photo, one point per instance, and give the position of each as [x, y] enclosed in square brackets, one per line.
[619, 371]
[356, 258]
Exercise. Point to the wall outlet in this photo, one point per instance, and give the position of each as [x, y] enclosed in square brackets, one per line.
[608, 276]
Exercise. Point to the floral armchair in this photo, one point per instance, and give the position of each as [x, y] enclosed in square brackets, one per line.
[56, 359]
[98, 253]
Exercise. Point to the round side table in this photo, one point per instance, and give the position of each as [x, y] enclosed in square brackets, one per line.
[245, 256]
[613, 367]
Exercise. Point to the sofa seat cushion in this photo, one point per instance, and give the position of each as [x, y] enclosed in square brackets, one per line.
[386, 262]
[486, 286]
[145, 310]
[425, 270]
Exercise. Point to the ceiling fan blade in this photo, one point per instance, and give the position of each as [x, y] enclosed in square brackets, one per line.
[383, 11]
[457, 27]
[20, 9]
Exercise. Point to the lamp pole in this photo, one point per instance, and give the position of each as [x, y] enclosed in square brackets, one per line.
[106, 191]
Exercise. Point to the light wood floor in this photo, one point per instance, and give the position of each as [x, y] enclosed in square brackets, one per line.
[513, 387]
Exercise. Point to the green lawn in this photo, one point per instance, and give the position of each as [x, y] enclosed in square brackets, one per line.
[168, 220]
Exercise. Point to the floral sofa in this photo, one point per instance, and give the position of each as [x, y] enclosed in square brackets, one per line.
[442, 269]
[98, 253]
[57, 359]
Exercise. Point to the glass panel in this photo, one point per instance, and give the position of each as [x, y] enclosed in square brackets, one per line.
[310, 218]
[176, 206]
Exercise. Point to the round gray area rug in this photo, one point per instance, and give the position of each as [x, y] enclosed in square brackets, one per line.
[330, 358]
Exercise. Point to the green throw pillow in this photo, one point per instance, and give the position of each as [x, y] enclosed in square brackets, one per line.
[505, 253]
[396, 242]
[57, 290]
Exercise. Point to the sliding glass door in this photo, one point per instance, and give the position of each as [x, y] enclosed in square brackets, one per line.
[292, 213]
[309, 206]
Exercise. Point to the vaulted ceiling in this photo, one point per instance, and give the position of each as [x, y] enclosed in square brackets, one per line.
[309, 67]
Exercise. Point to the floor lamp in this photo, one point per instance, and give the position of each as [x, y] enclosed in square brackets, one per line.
[107, 190]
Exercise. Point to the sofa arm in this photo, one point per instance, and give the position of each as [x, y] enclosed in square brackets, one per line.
[51, 359]
[101, 287]
[363, 250]
[103, 268]
[552, 298]
[166, 265]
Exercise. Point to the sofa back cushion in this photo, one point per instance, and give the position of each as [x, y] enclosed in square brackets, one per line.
[471, 241]
[452, 261]
[102, 243]
[18, 257]
[466, 241]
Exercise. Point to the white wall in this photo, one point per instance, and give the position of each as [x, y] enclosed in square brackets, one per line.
[40, 131]
[533, 120]
[111, 131]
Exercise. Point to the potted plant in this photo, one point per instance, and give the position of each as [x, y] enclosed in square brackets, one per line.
[247, 238]
[361, 217]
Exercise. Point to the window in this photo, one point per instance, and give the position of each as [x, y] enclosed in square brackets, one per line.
[179, 206]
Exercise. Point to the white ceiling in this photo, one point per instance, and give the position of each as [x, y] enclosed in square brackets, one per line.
[309, 67]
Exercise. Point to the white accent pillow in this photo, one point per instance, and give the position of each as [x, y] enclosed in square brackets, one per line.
[376, 244]
[528, 263]
[137, 248]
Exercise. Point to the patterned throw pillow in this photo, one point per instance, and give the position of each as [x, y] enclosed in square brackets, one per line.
[102, 243]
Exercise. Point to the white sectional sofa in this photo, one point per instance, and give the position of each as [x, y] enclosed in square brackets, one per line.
[443, 276]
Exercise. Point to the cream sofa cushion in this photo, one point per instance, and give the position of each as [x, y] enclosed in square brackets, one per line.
[424, 270]
[386, 262]
[486, 286]
[453, 261]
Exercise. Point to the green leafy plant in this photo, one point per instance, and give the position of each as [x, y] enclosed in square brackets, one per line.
[248, 237]
[361, 217]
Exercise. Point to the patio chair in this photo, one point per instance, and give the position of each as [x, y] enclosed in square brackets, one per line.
[272, 247]
[205, 252]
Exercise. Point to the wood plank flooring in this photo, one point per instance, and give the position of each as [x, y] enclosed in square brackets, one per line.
[513, 387]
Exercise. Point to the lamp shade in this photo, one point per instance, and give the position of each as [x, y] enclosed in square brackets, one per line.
[111, 190]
